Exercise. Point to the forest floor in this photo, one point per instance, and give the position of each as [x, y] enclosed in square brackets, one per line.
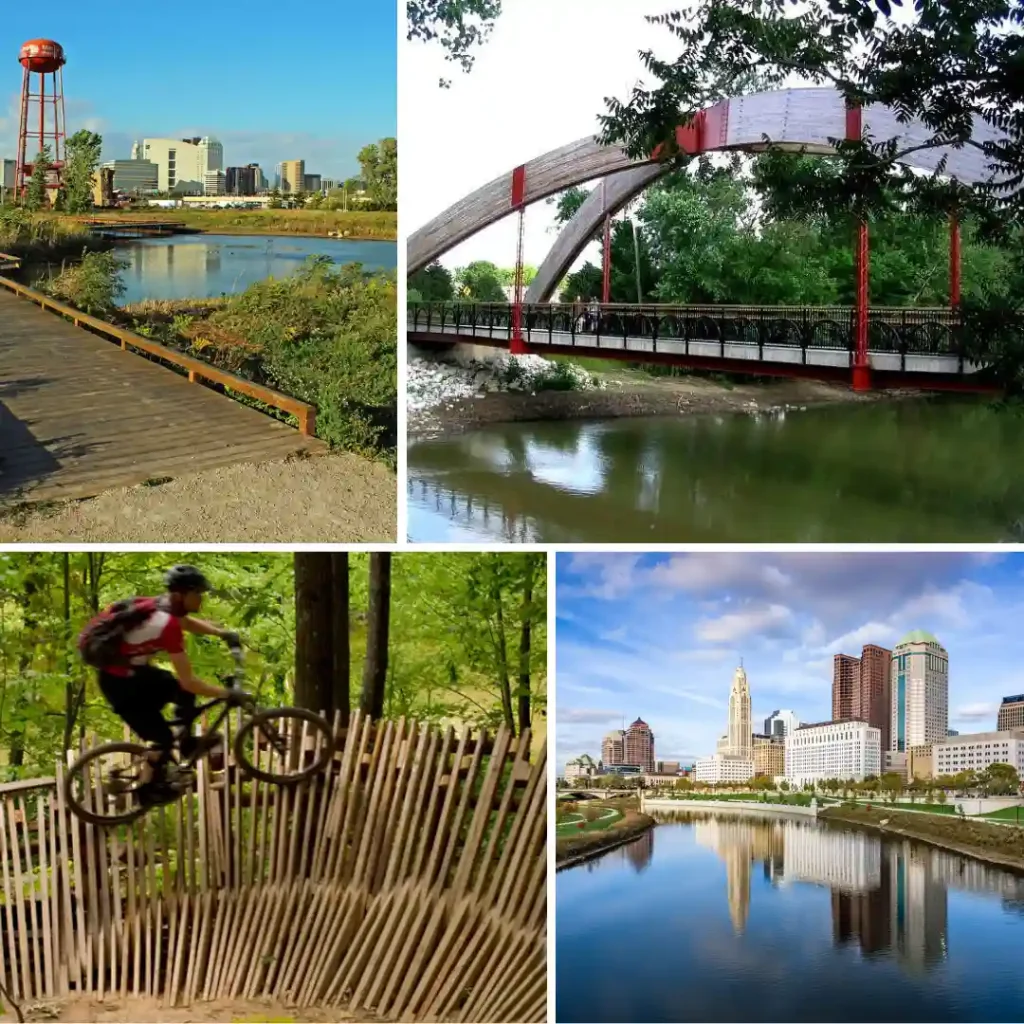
[623, 391]
[340, 497]
[150, 1011]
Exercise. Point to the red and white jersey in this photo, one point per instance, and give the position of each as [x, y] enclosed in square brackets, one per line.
[160, 632]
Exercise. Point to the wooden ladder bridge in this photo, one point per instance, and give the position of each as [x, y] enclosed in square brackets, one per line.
[80, 415]
[407, 881]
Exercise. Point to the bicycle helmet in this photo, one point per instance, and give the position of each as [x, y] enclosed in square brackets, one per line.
[186, 578]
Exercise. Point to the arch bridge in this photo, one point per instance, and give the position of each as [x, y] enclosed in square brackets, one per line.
[807, 120]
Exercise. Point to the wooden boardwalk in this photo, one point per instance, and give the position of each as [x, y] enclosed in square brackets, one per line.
[78, 415]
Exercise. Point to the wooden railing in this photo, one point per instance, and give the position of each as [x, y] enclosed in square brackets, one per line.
[408, 880]
[197, 369]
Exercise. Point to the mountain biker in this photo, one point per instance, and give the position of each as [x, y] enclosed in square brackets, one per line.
[138, 691]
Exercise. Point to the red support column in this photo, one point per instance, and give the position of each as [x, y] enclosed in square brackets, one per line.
[517, 346]
[954, 261]
[861, 361]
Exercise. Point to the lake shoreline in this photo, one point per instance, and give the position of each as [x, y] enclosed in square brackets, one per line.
[949, 834]
[630, 399]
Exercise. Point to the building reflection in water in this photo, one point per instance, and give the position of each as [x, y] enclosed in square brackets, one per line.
[637, 854]
[888, 896]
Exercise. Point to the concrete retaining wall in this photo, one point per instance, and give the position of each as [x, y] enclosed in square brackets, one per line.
[728, 805]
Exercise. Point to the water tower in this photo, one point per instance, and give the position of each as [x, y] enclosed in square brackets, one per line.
[42, 112]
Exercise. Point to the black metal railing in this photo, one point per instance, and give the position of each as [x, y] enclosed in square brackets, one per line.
[906, 331]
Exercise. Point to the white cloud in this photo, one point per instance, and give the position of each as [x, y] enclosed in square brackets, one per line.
[737, 625]
[977, 712]
[588, 716]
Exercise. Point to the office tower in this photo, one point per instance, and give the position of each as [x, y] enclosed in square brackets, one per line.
[613, 748]
[638, 745]
[1011, 713]
[845, 683]
[740, 731]
[293, 176]
[780, 723]
[919, 692]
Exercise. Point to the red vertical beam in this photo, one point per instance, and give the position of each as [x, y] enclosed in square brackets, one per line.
[19, 169]
[954, 260]
[517, 345]
[861, 362]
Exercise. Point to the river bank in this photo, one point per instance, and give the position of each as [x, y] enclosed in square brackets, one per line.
[1000, 845]
[464, 397]
[576, 849]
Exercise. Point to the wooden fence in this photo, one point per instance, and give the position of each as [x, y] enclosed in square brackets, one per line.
[408, 881]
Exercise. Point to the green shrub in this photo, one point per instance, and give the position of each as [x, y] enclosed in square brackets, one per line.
[93, 284]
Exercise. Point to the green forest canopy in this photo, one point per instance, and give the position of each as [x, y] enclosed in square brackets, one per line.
[453, 654]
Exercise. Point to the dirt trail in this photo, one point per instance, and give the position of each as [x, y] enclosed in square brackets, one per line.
[332, 498]
[151, 1011]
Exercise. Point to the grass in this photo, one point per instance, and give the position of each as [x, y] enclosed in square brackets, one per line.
[356, 224]
[43, 238]
[1015, 814]
[903, 806]
[569, 823]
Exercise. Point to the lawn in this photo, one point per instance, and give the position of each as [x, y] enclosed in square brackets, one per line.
[1006, 814]
[902, 806]
[573, 822]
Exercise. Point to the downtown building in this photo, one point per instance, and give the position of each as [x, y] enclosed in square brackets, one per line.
[833, 750]
[780, 723]
[919, 685]
[861, 689]
[613, 747]
[722, 768]
[1011, 713]
[740, 743]
[638, 746]
[769, 756]
[183, 165]
[974, 752]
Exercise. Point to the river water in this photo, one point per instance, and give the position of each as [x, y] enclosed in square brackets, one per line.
[939, 471]
[200, 266]
[718, 916]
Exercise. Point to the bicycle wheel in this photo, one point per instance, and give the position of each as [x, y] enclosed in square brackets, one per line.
[284, 745]
[102, 786]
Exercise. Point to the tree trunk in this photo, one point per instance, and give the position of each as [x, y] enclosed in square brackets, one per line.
[341, 675]
[70, 687]
[524, 646]
[375, 670]
[16, 740]
[504, 683]
[314, 623]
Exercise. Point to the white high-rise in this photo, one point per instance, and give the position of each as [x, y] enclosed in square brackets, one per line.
[833, 750]
[182, 164]
[780, 723]
[741, 735]
[920, 692]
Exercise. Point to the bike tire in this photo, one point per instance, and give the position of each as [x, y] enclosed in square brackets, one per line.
[299, 714]
[83, 812]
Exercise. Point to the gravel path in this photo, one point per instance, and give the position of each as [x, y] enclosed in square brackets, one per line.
[330, 498]
[151, 1011]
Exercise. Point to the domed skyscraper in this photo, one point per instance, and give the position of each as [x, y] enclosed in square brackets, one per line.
[920, 692]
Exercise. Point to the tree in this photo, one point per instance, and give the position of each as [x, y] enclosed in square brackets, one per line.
[314, 631]
[999, 780]
[480, 281]
[81, 160]
[433, 284]
[36, 192]
[956, 61]
[458, 25]
[379, 163]
[379, 616]
[275, 202]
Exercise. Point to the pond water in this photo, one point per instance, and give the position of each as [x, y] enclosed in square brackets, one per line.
[720, 916]
[200, 266]
[898, 471]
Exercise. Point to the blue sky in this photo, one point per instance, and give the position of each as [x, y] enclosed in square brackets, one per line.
[272, 82]
[659, 636]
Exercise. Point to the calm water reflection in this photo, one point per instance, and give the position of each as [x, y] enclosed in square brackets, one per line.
[726, 917]
[909, 471]
[191, 266]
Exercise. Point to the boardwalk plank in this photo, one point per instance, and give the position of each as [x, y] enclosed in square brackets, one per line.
[79, 416]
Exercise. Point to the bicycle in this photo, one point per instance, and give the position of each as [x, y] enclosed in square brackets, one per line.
[111, 798]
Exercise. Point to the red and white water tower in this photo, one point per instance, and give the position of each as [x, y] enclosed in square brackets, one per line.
[42, 112]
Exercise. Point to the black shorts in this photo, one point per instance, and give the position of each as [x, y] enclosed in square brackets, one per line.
[139, 699]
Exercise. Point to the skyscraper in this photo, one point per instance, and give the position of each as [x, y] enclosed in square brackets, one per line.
[613, 748]
[845, 684]
[741, 734]
[874, 702]
[781, 723]
[293, 176]
[919, 692]
[638, 745]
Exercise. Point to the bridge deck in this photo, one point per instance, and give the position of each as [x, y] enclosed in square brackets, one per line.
[79, 416]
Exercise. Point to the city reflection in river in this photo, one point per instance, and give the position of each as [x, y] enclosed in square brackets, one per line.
[865, 472]
[726, 915]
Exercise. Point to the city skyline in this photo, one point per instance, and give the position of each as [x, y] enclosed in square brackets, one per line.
[634, 631]
[113, 86]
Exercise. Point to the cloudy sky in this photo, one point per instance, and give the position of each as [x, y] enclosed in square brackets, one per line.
[538, 83]
[659, 636]
[271, 83]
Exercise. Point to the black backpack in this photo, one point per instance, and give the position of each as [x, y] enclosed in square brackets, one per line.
[100, 642]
